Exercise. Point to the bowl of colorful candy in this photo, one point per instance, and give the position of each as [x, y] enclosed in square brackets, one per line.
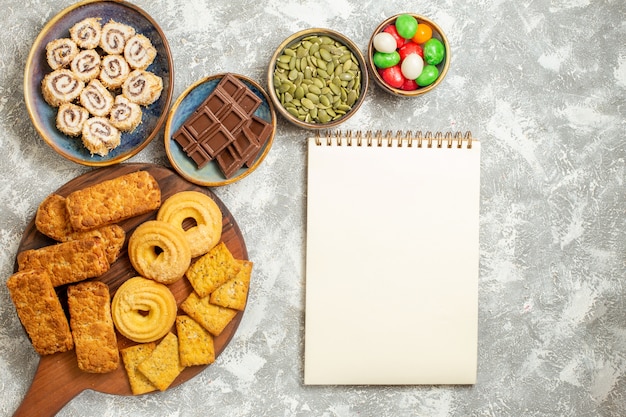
[408, 55]
[317, 78]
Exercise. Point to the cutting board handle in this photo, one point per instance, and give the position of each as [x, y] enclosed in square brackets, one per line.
[49, 391]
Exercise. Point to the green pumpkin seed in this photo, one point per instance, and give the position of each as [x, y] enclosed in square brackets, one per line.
[307, 103]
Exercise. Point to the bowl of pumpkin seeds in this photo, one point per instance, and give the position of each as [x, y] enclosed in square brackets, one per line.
[317, 78]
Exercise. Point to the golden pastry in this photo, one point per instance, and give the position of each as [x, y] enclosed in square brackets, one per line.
[159, 251]
[143, 310]
[206, 231]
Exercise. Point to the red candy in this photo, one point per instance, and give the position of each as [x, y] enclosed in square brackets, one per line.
[391, 29]
[393, 76]
[409, 85]
[410, 48]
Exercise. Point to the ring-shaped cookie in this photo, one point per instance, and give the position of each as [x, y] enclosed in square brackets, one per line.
[159, 251]
[143, 310]
[207, 230]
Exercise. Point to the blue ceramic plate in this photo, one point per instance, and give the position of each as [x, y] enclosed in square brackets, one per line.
[210, 175]
[44, 116]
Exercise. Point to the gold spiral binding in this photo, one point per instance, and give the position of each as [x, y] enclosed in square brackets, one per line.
[400, 138]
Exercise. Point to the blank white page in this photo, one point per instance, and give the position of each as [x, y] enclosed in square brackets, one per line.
[391, 264]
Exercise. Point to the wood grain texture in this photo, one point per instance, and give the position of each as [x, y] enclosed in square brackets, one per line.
[58, 379]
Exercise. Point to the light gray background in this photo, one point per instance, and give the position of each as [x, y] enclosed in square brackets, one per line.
[541, 82]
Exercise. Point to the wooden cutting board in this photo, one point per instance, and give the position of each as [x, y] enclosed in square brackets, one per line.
[58, 379]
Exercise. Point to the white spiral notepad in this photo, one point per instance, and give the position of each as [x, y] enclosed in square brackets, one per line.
[392, 256]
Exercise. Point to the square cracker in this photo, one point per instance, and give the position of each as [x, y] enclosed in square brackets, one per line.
[163, 365]
[234, 292]
[132, 356]
[211, 317]
[195, 343]
[212, 270]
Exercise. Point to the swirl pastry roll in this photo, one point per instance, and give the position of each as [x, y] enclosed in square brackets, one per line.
[100, 136]
[125, 115]
[60, 52]
[86, 65]
[113, 71]
[96, 99]
[87, 32]
[114, 37]
[139, 52]
[142, 87]
[71, 118]
[61, 86]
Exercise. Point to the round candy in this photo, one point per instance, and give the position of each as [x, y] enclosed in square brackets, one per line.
[410, 48]
[385, 42]
[406, 26]
[391, 29]
[386, 60]
[423, 33]
[433, 51]
[428, 76]
[412, 66]
[393, 76]
[409, 85]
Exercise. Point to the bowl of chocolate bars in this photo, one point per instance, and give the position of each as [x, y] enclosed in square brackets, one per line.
[220, 129]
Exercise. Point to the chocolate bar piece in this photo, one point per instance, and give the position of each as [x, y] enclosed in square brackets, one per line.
[224, 128]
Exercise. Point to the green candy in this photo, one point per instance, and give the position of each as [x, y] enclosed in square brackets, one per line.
[406, 25]
[434, 51]
[428, 76]
[385, 60]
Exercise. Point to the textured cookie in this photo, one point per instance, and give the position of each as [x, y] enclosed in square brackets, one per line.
[92, 327]
[113, 200]
[234, 292]
[213, 318]
[163, 365]
[143, 310]
[212, 270]
[195, 343]
[67, 262]
[206, 231]
[132, 357]
[40, 311]
[159, 251]
[53, 221]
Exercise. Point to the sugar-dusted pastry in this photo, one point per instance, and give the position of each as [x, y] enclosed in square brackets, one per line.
[100, 136]
[40, 311]
[125, 115]
[71, 118]
[113, 71]
[114, 37]
[206, 231]
[159, 251]
[87, 32]
[89, 305]
[60, 52]
[61, 86]
[86, 65]
[143, 310]
[96, 99]
[67, 262]
[113, 201]
[142, 87]
[139, 52]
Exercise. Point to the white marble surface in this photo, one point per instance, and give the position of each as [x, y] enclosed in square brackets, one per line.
[541, 82]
